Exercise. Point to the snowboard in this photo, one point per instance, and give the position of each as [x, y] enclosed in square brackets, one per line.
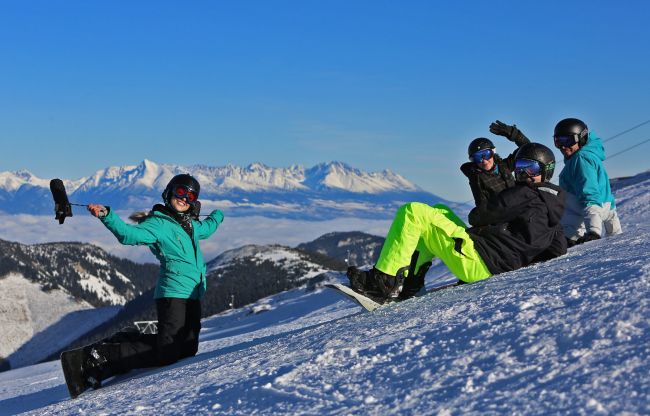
[370, 304]
[72, 365]
[364, 301]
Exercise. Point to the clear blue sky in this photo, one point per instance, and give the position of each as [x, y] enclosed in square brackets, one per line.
[403, 85]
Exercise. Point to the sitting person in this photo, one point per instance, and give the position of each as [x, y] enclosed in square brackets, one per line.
[517, 227]
[589, 202]
[487, 172]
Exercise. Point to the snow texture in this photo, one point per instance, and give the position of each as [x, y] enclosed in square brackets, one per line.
[568, 336]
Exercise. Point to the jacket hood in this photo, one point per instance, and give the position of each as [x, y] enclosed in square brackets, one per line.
[594, 147]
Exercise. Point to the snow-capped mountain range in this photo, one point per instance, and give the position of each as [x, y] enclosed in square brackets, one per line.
[324, 191]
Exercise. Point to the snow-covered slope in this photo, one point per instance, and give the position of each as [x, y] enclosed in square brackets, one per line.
[568, 336]
[35, 322]
[81, 270]
[325, 191]
[45, 289]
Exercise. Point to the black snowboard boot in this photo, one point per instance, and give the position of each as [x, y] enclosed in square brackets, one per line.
[361, 281]
[375, 283]
[86, 367]
[413, 284]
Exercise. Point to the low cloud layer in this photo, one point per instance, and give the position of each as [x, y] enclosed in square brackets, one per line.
[234, 232]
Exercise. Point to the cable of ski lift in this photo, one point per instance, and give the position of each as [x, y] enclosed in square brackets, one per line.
[626, 131]
[625, 150]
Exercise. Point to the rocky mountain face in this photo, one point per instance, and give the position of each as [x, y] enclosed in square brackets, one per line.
[324, 191]
[84, 271]
[45, 290]
[354, 248]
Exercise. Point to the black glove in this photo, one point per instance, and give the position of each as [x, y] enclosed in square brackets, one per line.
[590, 236]
[512, 133]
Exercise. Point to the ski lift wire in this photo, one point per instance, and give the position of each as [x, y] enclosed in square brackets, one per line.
[629, 148]
[626, 131]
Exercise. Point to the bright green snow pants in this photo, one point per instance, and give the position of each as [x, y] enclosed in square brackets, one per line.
[433, 231]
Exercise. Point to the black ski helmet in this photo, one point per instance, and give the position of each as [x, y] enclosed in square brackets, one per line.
[540, 153]
[479, 143]
[184, 179]
[572, 127]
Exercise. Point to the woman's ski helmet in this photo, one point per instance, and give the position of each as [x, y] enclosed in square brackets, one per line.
[479, 143]
[185, 180]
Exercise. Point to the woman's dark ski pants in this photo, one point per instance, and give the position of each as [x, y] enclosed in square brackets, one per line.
[179, 324]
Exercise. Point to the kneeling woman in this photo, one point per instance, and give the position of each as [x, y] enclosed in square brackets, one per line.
[172, 232]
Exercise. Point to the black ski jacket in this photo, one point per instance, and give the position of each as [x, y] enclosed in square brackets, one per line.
[519, 226]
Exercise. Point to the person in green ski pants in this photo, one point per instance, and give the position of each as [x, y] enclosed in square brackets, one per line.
[519, 226]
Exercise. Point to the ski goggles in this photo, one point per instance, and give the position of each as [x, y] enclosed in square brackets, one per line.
[565, 141]
[183, 192]
[528, 168]
[481, 155]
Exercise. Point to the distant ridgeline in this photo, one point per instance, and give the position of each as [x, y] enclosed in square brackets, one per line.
[324, 191]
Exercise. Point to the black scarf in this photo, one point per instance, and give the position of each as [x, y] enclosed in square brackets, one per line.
[183, 218]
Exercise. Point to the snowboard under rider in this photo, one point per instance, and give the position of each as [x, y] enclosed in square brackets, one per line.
[590, 203]
[172, 232]
[517, 227]
[487, 172]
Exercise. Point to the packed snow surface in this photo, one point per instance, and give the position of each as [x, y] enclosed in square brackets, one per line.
[568, 336]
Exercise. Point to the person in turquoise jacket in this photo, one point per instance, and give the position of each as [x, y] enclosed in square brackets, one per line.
[172, 232]
[590, 205]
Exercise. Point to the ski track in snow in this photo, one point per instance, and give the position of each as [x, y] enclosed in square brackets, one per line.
[568, 336]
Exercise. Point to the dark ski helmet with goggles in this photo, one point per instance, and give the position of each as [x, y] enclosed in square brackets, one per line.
[480, 149]
[480, 143]
[182, 186]
[534, 159]
[569, 132]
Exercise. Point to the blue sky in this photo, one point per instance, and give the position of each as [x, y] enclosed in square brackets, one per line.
[376, 84]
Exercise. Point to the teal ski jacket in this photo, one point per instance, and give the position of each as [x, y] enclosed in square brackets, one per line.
[182, 268]
[585, 176]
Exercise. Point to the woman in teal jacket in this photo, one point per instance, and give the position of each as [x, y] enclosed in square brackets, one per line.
[172, 232]
[590, 203]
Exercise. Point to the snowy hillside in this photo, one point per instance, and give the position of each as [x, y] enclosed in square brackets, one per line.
[83, 271]
[325, 191]
[568, 336]
[45, 288]
[28, 315]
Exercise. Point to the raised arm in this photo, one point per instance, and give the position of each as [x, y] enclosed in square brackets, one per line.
[205, 228]
[139, 234]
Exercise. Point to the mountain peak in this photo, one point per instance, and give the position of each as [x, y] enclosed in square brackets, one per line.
[12, 181]
[339, 175]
